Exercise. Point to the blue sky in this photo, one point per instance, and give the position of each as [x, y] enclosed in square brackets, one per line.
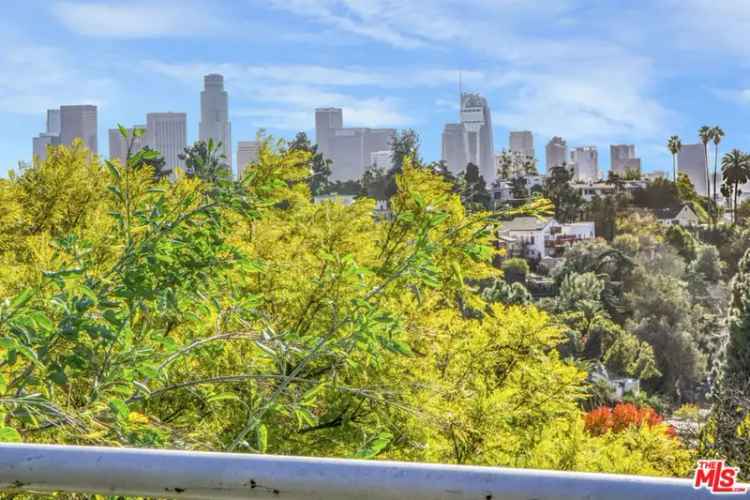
[595, 72]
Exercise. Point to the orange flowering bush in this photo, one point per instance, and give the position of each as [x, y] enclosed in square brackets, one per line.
[604, 419]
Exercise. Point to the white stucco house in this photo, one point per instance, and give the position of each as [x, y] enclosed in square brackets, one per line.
[536, 238]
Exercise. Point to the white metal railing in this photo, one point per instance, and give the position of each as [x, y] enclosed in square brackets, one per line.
[193, 475]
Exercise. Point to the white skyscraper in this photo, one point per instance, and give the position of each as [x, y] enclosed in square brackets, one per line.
[167, 134]
[691, 160]
[556, 153]
[247, 153]
[522, 142]
[79, 122]
[214, 122]
[118, 145]
[586, 163]
[326, 121]
[477, 122]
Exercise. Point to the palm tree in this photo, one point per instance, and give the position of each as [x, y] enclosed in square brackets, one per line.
[716, 135]
[705, 134]
[675, 145]
[735, 168]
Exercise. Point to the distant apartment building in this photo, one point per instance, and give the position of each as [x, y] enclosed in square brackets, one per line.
[118, 145]
[521, 142]
[623, 159]
[326, 121]
[248, 152]
[691, 160]
[471, 140]
[585, 160]
[167, 133]
[382, 159]
[214, 122]
[66, 124]
[556, 153]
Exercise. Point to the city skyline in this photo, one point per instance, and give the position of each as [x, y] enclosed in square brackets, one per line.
[384, 71]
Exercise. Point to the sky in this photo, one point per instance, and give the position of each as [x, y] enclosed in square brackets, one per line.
[594, 72]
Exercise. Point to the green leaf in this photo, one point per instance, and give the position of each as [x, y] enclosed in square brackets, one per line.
[42, 321]
[261, 435]
[119, 408]
[58, 377]
[9, 435]
[21, 299]
[375, 446]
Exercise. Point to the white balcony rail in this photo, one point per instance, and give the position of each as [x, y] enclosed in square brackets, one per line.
[194, 475]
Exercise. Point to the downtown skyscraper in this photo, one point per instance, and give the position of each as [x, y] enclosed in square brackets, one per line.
[167, 134]
[471, 140]
[66, 124]
[214, 122]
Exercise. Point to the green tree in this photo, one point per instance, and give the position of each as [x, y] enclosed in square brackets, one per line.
[735, 167]
[728, 432]
[557, 188]
[716, 135]
[706, 135]
[516, 270]
[474, 194]
[206, 161]
[674, 145]
[320, 168]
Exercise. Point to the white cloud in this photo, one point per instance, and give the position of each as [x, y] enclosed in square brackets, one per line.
[36, 78]
[139, 19]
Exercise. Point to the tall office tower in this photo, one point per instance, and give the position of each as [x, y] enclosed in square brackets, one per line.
[214, 122]
[477, 122]
[454, 147]
[79, 122]
[50, 137]
[586, 164]
[167, 133]
[247, 154]
[118, 145]
[556, 152]
[326, 121]
[53, 121]
[40, 144]
[522, 143]
[350, 150]
[622, 159]
[691, 160]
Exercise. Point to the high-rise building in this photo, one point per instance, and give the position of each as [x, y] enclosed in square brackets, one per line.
[247, 153]
[79, 122]
[53, 121]
[454, 147]
[118, 145]
[622, 159]
[64, 125]
[40, 144]
[521, 142]
[167, 134]
[556, 153]
[214, 122]
[349, 149]
[691, 160]
[326, 121]
[477, 122]
[585, 161]
[382, 159]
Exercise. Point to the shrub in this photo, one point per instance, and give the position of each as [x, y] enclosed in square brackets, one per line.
[601, 420]
[516, 270]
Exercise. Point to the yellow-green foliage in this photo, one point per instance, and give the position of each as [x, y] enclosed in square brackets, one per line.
[243, 316]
